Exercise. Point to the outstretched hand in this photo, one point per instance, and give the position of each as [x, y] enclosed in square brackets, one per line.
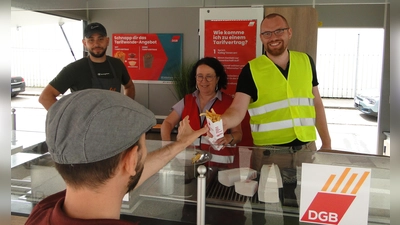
[225, 140]
[325, 147]
[186, 134]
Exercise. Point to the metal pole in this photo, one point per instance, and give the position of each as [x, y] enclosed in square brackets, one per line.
[13, 120]
[13, 127]
[357, 62]
[201, 195]
[72, 52]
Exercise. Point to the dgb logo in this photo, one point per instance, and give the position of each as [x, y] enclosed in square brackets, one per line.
[332, 202]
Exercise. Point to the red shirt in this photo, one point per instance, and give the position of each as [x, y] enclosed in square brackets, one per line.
[49, 211]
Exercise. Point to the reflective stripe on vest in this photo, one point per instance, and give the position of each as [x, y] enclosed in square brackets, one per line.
[222, 159]
[225, 159]
[280, 105]
[284, 110]
[282, 124]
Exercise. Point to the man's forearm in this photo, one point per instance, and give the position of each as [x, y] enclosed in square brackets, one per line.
[322, 126]
[321, 123]
[159, 158]
[47, 102]
[166, 130]
[231, 118]
[156, 160]
[236, 112]
[130, 92]
[323, 132]
[48, 96]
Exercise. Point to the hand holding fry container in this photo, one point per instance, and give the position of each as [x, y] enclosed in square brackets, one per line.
[214, 123]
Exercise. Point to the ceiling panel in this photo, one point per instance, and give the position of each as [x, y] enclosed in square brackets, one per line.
[21, 17]
[45, 5]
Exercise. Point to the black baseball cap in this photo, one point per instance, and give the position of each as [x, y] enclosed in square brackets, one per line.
[93, 28]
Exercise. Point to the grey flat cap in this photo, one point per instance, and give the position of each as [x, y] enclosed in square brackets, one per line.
[92, 125]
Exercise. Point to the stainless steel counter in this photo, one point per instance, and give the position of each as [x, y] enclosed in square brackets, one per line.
[171, 194]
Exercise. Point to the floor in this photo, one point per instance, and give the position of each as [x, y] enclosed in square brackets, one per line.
[18, 220]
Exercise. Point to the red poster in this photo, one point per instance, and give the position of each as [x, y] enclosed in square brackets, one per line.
[233, 42]
[148, 56]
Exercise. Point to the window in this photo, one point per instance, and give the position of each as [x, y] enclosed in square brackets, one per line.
[349, 60]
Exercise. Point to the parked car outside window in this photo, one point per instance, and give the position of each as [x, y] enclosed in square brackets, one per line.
[367, 101]
[17, 85]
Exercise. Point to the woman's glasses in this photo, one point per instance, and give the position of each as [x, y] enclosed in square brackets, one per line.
[201, 78]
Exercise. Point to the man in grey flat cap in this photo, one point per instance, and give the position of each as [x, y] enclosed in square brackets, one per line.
[97, 141]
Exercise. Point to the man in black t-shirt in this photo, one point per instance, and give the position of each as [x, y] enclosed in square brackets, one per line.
[95, 71]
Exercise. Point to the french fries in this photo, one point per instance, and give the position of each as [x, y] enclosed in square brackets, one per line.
[196, 158]
[214, 122]
[212, 115]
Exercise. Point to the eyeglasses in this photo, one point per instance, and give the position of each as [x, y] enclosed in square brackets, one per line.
[277, 32]
[208, 78]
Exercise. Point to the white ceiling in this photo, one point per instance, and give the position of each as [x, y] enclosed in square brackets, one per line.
[21, 17]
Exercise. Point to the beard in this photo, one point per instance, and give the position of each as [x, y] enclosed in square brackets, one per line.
[277, 51]
[98, 55]
[133, 180]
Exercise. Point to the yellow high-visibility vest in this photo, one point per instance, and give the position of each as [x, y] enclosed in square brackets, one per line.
[284, 109]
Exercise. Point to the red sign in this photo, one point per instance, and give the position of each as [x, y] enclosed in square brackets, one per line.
[233, 42]
[328, 208]
[148, 56]
[333, 201]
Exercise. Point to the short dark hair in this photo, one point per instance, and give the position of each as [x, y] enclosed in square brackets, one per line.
[218, 68]
[93, 174]
[272, 15]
